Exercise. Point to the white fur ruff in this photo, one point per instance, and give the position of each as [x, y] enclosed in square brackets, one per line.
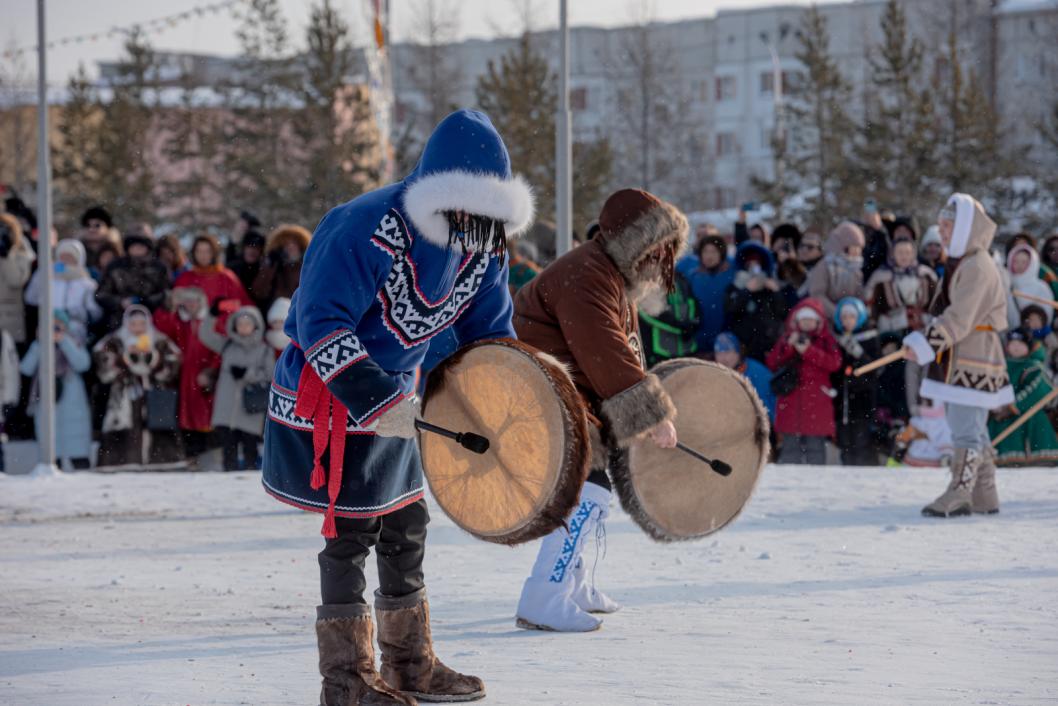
[426, 200]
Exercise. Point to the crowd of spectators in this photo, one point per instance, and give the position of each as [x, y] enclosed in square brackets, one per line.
[161, 354]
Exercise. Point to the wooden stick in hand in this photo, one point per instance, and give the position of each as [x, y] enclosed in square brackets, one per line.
[880, 363]
[1039, 300]
[1029, 414]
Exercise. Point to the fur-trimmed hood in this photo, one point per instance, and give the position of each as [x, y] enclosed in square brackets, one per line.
[285, 234]
[465, 166]
[258, 321]
[972, 230]
[628, 244]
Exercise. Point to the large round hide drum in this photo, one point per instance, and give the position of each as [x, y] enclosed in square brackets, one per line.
[674, 496]
[529, 479]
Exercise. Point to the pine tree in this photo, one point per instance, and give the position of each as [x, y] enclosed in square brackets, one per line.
[76, 154]
[821, 130]
[194, 197]
[339, 140]
[125, 164]
[895, 148]
[261, 104]
[520, 95]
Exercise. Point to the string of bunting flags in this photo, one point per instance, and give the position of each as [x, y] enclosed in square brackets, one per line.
[155, 26]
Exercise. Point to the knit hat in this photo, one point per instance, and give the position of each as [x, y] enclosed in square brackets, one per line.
[856, 306]
[137, 239]
[787, 231]
[73, 247]
[727, 342]
[807, 312]
[932, 237]
[253, 239]
[97, 213]
[1019, 334]
[279, 310]
[846, 235]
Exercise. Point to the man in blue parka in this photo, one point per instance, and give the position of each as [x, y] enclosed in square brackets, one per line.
[384, 274]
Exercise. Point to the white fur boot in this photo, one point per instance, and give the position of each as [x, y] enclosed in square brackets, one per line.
[547, 601]
[585, 594]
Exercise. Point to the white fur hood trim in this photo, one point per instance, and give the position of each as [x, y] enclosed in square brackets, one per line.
[508, 200]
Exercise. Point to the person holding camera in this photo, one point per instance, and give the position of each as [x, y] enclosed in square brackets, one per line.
[280, 274]
[16, 265]
[803, 360]
[755, 304]
[72, 289]
[840, 273]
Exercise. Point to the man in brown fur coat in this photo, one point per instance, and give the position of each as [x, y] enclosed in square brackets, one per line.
[582, 310]
[964, 351]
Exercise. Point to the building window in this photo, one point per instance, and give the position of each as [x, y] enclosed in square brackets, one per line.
[724, 197]
[725, 144]
[578, 99]
[790, 80]
[725, 88]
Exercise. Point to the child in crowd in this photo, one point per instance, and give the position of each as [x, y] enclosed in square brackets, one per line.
[135, 362]
[668, 322]
[728, 352]
[1034, 320]
[899, 292]
[246, 369]
[276, 320]
[1034, 443]
[72, 289]
[1023, 272]
[840, 273]
[73, 422]
[10, 385]
[856, 395]
[803, 359]
[709, 274]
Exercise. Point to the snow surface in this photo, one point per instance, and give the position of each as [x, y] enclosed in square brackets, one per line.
[831, 589]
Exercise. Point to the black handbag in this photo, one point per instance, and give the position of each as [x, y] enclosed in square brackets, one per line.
[255, 398]
[785, 379]
[161, 410]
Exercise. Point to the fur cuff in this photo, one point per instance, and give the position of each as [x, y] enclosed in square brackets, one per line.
[339, 611]
[637, 410]
[510, 201]
[399, 602]
[920, 346]
[656, 226]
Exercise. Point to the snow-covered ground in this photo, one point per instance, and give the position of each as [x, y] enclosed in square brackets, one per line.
[831, 589]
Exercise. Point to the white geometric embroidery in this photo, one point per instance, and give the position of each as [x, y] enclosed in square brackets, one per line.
[335, 353]
[406, 313]
[281, 404]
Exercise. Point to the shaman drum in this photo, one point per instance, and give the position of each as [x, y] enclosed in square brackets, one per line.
[525, 404]
[673, 496]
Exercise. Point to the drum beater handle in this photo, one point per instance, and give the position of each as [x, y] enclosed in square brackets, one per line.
[468, 440]
[718, 466]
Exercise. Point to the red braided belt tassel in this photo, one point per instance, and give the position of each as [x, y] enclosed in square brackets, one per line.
[328, 415]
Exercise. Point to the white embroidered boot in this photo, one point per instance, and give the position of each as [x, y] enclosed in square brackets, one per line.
[547, 595]
[585, 594]
[957, 499]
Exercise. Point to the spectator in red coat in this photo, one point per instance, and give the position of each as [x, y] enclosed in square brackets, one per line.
[806, 355]
[180, 320]
[215, 280]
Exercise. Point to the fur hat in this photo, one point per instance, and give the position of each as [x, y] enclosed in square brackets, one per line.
[288, 233]
[137, 239]
[633, 222]
[253, 239]
[97, 213]
[787, 231]
[279, 310]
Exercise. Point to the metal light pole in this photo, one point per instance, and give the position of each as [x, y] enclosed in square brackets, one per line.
[563, 143]
[46, 333]
[779, 137]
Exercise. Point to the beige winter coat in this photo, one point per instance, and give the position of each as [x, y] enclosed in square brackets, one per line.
[836, 275]
[963, 344]
[15, 270]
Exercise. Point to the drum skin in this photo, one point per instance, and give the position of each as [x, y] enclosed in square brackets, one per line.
[673, 496]
[525, 404]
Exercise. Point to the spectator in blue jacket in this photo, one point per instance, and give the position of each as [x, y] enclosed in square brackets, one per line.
[728, 351]
[709, 275]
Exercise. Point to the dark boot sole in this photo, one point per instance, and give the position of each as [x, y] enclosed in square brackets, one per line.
[526, 625]
[959, 512]
[987, 512]
[446, 698]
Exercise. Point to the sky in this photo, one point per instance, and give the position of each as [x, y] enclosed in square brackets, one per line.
[215, 33]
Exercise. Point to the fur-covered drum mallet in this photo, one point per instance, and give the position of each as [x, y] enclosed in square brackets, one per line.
[880, 363]
[468, 440]
[717, 465]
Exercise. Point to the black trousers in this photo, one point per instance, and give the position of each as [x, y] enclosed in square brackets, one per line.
[399, 539]
[234, 440]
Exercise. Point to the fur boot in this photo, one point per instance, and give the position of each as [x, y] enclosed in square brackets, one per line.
[547, 601]
[589, 598]
[985, 495]
[347, 659]
[408, 659]
[957, 499]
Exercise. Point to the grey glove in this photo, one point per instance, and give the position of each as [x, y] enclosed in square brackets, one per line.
[399, 420]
